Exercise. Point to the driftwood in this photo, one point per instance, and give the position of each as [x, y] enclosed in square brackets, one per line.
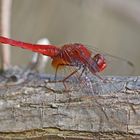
[30, 108]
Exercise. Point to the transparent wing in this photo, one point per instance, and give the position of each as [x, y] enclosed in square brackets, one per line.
[95, 83]
[115, 64]
[96, 94]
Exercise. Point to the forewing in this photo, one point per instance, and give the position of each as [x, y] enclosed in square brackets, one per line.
[115, 64]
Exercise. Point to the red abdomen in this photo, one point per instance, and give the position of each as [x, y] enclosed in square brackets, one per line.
[48, 50]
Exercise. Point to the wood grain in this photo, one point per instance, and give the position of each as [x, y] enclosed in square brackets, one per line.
[29, 109]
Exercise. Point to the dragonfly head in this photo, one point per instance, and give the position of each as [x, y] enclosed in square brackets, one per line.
[100, 62]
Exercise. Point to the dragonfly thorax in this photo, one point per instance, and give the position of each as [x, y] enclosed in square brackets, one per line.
[72, 54]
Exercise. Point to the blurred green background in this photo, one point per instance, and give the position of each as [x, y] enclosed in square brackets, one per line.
[111, 25]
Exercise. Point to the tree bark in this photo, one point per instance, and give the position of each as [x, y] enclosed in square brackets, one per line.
[32, 107]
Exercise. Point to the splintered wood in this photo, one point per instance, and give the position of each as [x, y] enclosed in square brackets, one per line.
[33, 107]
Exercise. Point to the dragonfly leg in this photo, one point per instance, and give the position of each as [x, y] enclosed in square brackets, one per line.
[82, 72]
[67, 77]
[56, 72]
[64, 80]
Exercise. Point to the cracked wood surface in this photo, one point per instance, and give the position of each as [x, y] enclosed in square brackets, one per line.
[30, 108]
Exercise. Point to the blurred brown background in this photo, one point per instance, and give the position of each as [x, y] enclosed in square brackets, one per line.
[112, 25]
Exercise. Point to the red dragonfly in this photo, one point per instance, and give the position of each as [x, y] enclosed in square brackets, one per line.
[91, 62]
[74, 55]
[70, 54]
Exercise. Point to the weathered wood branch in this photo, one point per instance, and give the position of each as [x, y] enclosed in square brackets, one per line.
[29, 108]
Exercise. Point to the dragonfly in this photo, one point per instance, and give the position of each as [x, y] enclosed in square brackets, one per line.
[85, 64]
[76, 55]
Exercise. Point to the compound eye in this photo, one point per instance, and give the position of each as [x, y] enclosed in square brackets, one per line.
[100, 61]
